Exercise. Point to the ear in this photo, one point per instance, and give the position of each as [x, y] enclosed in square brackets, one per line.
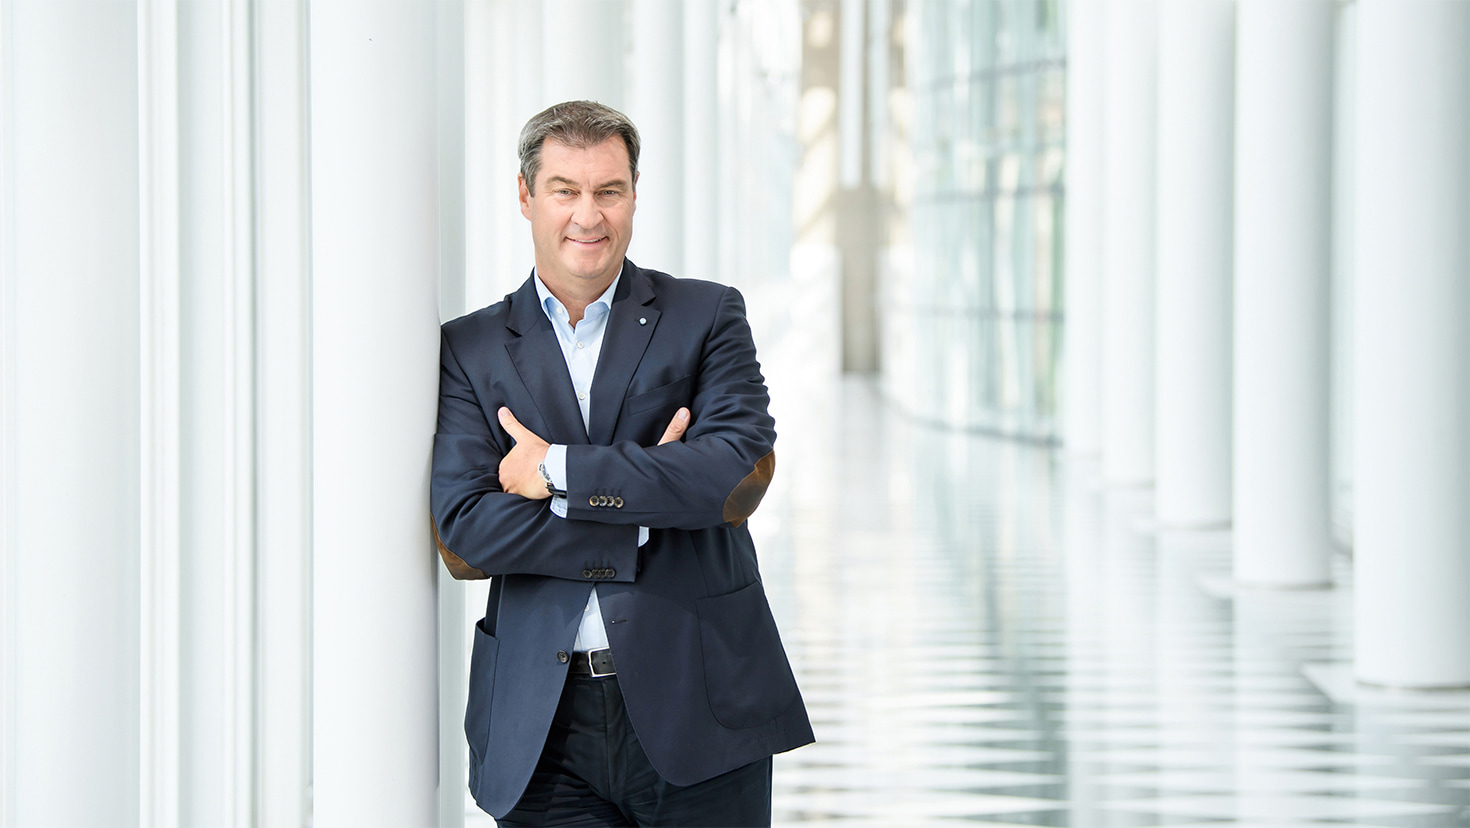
[524, 195]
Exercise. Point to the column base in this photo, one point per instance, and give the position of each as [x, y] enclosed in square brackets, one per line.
[1160, 527]
[1224, 586]
[1338, 681]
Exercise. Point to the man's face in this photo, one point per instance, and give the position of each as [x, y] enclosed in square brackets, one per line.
[581, 215]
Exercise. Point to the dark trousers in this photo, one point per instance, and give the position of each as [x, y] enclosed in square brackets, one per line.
[593, 772]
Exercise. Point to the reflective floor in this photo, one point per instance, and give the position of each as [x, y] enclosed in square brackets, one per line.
[983, 634]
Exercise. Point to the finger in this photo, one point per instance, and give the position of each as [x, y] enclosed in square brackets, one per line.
[511, 425]
[677, 427]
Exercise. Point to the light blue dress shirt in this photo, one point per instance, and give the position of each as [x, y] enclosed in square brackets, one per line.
[580, 346]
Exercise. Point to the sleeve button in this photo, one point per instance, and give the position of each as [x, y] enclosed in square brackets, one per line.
[612, 573]
[592, 501]
[618, 502]
[587, 573]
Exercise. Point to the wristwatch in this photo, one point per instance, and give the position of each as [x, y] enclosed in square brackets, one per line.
[551, 487]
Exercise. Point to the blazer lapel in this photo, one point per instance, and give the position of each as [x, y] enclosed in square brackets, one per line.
[543, 370]
[629, 328]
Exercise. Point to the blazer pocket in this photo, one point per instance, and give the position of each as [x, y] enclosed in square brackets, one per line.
[670, 394]
[482, 692]
[746, 674]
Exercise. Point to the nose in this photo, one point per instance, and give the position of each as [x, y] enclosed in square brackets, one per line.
[586, 213]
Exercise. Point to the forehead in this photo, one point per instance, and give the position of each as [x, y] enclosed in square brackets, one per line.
[605, 161]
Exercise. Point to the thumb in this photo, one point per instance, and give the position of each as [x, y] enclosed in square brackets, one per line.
[676, 427]
[511, 425]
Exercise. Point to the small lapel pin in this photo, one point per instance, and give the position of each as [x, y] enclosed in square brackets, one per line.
[642, 320]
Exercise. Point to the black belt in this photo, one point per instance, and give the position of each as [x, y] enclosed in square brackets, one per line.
[597, 663]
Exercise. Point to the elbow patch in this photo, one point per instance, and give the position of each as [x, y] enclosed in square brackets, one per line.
[747, 493]
[455, 564]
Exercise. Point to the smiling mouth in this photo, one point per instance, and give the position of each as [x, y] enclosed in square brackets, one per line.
[587, 241]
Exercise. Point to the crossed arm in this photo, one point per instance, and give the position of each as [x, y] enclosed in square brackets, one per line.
[709, 468]
[520, 468]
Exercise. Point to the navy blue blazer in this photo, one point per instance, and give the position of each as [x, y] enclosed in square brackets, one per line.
[706, 681]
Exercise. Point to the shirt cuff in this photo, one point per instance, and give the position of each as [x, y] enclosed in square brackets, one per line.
[556, 465]
[642, 532]
[556, 468]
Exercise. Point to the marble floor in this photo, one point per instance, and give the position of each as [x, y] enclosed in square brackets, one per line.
[984, 634]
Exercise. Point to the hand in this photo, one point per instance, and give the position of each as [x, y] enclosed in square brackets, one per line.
[520, 468]
[677, 427]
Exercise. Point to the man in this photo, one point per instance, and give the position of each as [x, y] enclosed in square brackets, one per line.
[602, 438]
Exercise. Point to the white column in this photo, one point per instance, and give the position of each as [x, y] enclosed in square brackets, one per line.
[163, 721]
[701, 162]
[582, 52]
[656, 105]
[501, 38]
[8, 437]
[375, 378]
[1192, 383]
[1128, 242]
[214, 687]
[453, 630]
[1086, 65]
[1283, 208]
[1344, 151]
[73, 199]
[283, 390]
[1412, 539]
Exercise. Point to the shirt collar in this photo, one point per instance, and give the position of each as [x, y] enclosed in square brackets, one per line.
[551, 304]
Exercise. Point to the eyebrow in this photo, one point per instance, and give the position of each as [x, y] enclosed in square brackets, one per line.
[619, 183]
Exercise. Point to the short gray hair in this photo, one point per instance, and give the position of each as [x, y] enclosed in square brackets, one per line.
[579, 125]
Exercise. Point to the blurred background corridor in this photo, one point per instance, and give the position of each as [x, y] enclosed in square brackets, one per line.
[1117, 349]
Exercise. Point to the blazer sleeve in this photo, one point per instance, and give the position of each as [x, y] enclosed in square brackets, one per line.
[717, 474]
[481, 530]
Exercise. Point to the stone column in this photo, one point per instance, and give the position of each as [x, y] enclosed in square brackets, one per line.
[701, 162]
[1195, 141]
[283, 415]
[582, 53]
[1128, 242]
[1412, 392]
[375, 378]
[1283, 209]
[1086, 91]
[73, 411]
[656, 105]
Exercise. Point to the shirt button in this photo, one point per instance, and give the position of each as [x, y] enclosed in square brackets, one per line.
[580, 346]
[581, 396]
[561, 655]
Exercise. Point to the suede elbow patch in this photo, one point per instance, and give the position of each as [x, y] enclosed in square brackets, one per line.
[747, 493]
[454, 563]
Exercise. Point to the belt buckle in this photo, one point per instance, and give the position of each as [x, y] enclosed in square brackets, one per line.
[592, 664]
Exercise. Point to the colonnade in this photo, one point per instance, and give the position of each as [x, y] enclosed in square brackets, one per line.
[220, 370]
[230, 233]
[1255, 159]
